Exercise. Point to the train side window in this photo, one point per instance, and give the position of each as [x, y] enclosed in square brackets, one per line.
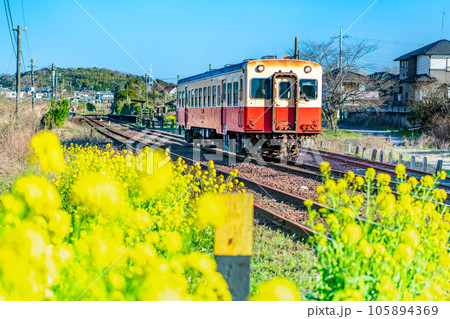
[200, 97]
[235, 93]
[214, 95]
[308, 89]
[224, 92]
[209, 96]
[229, 95]
[204, 96]
[192, 98]
[188, 98]
[196, 97]
[241, 89]
[218, 95]
[284, 90]
[261, 89]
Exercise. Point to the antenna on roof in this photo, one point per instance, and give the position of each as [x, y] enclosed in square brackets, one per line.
[442, 30]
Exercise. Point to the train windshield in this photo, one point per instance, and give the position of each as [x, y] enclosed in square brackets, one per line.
[261, 89]
[308, 89]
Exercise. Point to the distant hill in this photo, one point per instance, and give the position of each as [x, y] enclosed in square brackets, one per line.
[76, 79]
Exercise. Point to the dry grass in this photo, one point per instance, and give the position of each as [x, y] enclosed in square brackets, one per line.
[79, 134]
[15, 136]
[436, 134]
[339, 142]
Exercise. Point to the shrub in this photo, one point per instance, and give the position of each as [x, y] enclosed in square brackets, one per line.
[91, 107]
[58, 113]
[400, 253]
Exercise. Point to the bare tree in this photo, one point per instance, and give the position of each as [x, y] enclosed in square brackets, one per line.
[433, 100]
[344, 87]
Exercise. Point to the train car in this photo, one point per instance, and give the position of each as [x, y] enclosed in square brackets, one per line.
[268, 104]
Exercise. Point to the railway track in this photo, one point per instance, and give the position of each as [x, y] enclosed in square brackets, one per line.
[378, 166]
[290, 212]
[291, 167]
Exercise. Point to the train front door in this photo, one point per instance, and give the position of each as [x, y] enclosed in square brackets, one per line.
[284, 98]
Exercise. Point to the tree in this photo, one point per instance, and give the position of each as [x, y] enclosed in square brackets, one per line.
[433, 101]
[91, 107]
[344, 87]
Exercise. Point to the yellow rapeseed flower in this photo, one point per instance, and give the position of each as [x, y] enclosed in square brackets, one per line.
[277, 289]
[46, 148]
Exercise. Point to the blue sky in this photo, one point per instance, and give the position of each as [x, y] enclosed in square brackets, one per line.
[184, 37]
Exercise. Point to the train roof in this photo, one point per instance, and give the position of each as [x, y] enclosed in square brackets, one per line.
[209, 74]
[242, 66]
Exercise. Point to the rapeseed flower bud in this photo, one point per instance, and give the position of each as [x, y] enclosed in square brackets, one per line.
[427, 181]
[370, 174]
[325, 168]
[400, 170]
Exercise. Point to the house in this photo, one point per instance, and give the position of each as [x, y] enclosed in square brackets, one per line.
[170, 90]
[425, 65]
[105, 96]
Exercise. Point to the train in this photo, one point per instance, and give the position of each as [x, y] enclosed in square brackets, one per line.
[265, 105]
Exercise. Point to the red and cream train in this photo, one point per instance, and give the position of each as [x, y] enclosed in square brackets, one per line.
[270, 104]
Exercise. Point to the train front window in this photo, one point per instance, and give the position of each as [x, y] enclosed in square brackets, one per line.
[260, 89]
[285, 90]
[308, 89]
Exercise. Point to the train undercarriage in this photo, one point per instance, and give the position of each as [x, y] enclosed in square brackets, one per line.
[286, 145]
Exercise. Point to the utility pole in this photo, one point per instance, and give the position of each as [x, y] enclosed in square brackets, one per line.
[296, 55]
[53, 81]
[33, 90]
[146, 93]
[19, 31]
[340, 52]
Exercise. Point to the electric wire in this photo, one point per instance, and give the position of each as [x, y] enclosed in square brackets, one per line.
[10, 25]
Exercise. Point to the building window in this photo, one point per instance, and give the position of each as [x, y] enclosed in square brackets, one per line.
[235, 93]
[200, 97]
[218, 95]
[214, 95]
[260, 89]
[229, 88]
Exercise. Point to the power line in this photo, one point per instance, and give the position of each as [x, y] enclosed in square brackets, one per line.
[10, 24]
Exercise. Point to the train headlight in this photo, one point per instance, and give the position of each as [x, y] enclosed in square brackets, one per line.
[307, 69]
[260, 68]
